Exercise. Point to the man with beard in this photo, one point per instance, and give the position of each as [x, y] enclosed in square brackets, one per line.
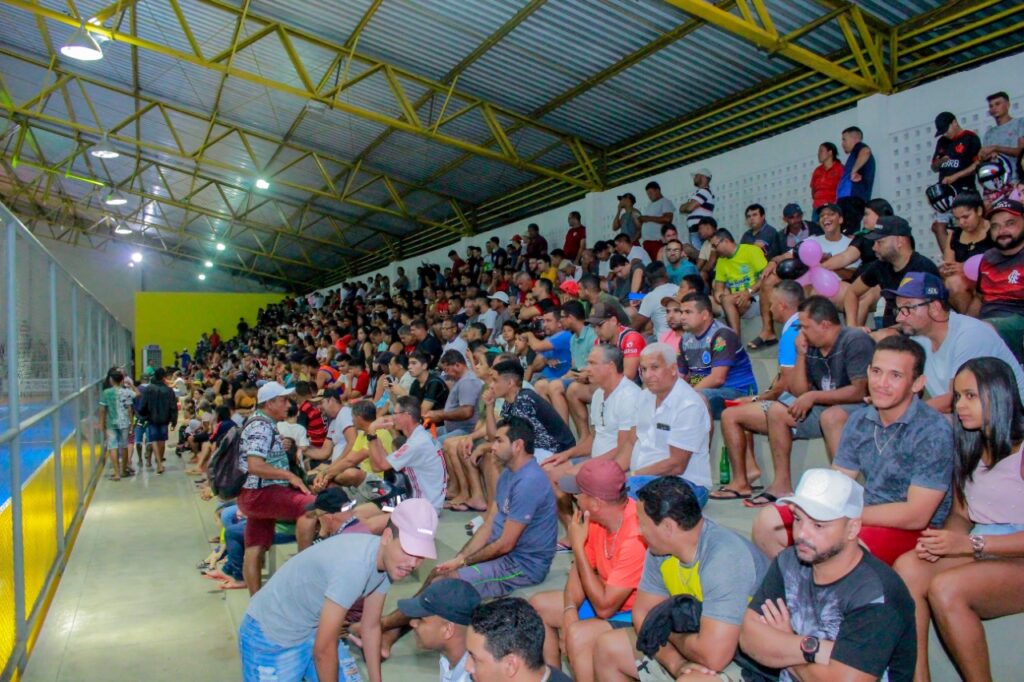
[1000, 297]
[827, 609]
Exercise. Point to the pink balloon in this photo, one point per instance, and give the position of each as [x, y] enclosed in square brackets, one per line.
[825, 281]
[809, 252]
[972, 267]
[804, 279]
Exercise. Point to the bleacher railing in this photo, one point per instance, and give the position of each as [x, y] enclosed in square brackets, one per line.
[56, 344]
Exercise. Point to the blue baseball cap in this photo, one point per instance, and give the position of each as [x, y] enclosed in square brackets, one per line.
[921, 285]
[452, 599]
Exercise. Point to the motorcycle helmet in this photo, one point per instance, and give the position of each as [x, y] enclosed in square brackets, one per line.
[993, 175]
[791, 268]
[941, 197]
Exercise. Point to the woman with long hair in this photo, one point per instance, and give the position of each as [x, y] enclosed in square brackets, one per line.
[825, 178]
[972, 569]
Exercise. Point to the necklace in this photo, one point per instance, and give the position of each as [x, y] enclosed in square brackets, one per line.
[609, 553]
[880, 449]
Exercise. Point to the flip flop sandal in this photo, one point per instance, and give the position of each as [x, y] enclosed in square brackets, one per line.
[762, 499]
[759, 343]
[723, 493]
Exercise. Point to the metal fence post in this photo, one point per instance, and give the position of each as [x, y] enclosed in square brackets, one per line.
[58, 445]
[18, 538]
[78, 384]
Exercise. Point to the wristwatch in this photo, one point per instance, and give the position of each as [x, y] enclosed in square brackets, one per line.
[371, 437]
[809, 646]
[978, 547]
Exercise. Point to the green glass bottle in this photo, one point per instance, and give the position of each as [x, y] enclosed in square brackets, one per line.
[724, 471]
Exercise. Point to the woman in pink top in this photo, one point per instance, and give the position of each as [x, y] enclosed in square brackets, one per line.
[973, 568]
[825, 178]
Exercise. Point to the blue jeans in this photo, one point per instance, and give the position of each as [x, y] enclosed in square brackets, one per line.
[634, 483]
[716, 398]
[695, 240]
[234, 539]
[264, 660]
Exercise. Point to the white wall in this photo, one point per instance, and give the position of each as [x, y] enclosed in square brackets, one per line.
[107, 276]
[773, 172]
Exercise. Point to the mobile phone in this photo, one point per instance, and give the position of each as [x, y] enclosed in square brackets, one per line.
[787, 398]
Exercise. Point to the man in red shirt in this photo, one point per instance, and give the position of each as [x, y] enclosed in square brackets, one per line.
[458, 265]
[309, 415]
[575, 238]
[214, 339]
[535, 244]
[999, 297]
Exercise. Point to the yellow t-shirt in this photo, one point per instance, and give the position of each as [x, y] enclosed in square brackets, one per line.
[361, 443]
[550, 274]
[740, 271]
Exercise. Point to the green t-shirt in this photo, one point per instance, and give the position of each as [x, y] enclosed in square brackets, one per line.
[581, 345]
[118, 401]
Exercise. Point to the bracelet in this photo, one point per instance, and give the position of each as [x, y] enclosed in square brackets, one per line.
[570, 606]
[978, 547]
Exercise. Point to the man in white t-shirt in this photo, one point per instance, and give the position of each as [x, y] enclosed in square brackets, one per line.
[651, 310]
[673, 426]
[613, 422]
[341, 434]
[630, 251]
[419, 458]
[659, 212]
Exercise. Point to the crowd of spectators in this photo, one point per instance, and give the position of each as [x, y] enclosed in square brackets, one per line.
[569, 396]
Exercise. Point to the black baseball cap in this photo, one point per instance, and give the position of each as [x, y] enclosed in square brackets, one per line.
[890, 226]
[335, 393]
[331, 501]
[627, 195]
[452, 599]
[942, 123]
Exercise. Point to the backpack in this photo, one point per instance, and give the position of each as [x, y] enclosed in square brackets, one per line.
[225, 474]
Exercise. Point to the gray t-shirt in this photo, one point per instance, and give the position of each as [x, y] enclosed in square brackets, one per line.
[966, 339]
[768, 238]
[917, 449]
[1006, 135]
[465, 392]
[342, 568]
[848, 360]
[724, 575]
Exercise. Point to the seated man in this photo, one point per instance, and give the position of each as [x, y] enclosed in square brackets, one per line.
[419, 457]
[551, 434]
[427, 387]
[506, 642]
[351, 468]
[688, 554]
[574, 321]
[831, 369]
[739, 421]
[998, 298]
[338, 444]
[673, 427]
[555, 348]
[827, 609]
[737, 277]
[903, 448]
[459, 412]
[601, 588]
[291, 627]
[440, 616]
[711, 358]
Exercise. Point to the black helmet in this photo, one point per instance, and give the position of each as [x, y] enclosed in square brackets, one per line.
[994, 175]
[791, 268]
[941, 197]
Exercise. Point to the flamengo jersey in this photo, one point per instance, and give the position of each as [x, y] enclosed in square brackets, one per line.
[960, 152]
[630, 342]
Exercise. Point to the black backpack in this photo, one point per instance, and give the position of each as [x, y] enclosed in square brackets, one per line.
[225, 474]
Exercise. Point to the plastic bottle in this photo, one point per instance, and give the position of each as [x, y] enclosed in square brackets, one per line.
[348, 669]
[724, 470]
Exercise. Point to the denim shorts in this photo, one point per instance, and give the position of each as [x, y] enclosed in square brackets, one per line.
[117, 438]
[264, 660]
[156, 433]
[634, 483]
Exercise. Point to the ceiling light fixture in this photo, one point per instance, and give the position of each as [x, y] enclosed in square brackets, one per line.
[262, 184]
[115, 198]
[137, 257]
[201, 276]
[82, 46]
[131, 264]
[104, 150]
[220, 246]
[122, 228]
[208, 264]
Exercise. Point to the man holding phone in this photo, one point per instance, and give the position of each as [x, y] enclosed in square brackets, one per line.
[831, 369]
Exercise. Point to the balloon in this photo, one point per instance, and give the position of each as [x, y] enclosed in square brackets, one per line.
[804, 279]
[809, 252]
[791, 268]
[971, 267]
[824, 281]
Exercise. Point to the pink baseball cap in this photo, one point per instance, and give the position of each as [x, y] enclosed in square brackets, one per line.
[600, 478]
[416, 521]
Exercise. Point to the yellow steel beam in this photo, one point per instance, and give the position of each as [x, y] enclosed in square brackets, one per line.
[307, 94]
[763, 38]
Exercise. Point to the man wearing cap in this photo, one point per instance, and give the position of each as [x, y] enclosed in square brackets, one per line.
[701, 205]
[894, 246]
[659, 212]
[608, 552]
[902, 447]
[440, 616]
[999, 299]
[688, 554]
[271, 491]
[341, 436]
[498, 302]
[292, 628]
[627, 217]
[957, 153]
[605, 322]
[828, 609]
[797, 229]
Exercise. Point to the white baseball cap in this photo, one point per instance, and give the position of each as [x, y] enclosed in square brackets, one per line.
[499, 296]
[271, 390]
[827, 495]
[701, 171]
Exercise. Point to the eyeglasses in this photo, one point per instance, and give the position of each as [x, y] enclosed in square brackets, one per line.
[905, 309]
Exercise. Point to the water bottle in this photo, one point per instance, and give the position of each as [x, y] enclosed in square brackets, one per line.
[724, 471]
[348, 669]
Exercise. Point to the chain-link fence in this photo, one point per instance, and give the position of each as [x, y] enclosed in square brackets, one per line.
[56, 344]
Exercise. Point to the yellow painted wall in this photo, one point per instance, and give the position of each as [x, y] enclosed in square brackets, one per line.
[175, 320]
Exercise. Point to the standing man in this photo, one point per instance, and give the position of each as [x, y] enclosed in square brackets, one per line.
[271, 491]
[854, 190]
[497, 256]
[999, 297]
[293, 627]
[159, 406]
[1006, 137]
[440, 616]
[627, 218]
[659, 212]
[956, 158]
[536, 245]
[116, 415]
[575, 238]
[827, 608]
[701, 205]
